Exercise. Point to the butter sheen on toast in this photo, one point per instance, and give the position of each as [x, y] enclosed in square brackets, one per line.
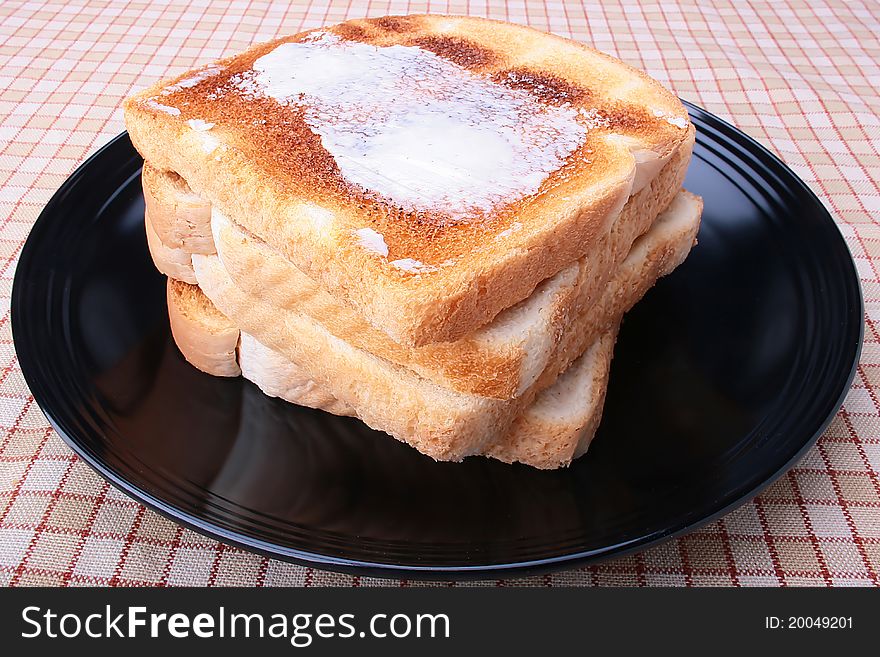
[430, 257]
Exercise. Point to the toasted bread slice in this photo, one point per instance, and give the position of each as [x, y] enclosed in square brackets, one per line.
[179, 218]
[549, 433]
[437, 421]
[174, 262]
[211, 343]
[206, 338]
[430, 171]
[499, 360]
[559, 425]
[278, 377]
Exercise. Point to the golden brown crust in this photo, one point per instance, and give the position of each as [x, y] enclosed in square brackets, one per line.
[277, 180]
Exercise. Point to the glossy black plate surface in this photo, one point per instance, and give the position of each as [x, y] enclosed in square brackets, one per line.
[723, 375]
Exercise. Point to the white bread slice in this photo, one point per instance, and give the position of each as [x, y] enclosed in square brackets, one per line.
[437, 421]
[442, 423]
[556, 428]
[211, 343]
[549, 433]
[174, 262]
[499, 360]
[180, 218]
[205, 337]
[257, 160]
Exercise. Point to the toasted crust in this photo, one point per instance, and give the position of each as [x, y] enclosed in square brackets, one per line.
[499, 360]
[203, 334]
[276, 180]
[437, 421]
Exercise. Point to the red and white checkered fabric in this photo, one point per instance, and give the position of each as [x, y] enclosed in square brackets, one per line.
[801, 76]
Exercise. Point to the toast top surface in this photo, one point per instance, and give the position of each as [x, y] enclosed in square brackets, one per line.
[425, 136]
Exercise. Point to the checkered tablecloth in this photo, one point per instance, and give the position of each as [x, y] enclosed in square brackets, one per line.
[800, 76]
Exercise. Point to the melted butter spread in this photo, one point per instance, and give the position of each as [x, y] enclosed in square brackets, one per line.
[417, 129]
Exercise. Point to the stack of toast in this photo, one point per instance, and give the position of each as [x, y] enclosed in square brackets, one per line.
[432, 223]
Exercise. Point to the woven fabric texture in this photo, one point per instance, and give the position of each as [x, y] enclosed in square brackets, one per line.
[800, 76]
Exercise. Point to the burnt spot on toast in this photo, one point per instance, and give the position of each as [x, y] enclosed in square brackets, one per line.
[396, 24]
[546, 87]
[351, 31]
[467, 54]
[628, 118]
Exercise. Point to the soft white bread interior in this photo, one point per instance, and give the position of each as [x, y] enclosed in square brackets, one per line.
[205, 337]
[442, 423]
[276, 376]
[437, 421]
[180, 218]
[174, 262]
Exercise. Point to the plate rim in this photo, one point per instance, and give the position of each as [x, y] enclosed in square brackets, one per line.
[436, 572]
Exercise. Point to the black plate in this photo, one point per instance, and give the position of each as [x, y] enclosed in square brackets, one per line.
[723, 376]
